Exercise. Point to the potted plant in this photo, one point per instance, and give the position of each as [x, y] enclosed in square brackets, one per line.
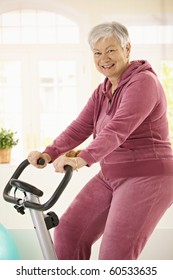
[7, 141]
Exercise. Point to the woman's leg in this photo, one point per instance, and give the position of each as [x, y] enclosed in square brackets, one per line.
[136, 208]
[84, 221]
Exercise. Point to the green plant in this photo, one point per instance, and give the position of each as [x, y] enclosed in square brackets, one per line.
[7, 139]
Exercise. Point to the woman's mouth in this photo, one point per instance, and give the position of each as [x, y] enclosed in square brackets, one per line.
[107, 67]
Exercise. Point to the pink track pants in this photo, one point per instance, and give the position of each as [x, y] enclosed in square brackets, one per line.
[124, 210]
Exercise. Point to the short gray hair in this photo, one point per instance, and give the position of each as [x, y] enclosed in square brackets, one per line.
[107, 29]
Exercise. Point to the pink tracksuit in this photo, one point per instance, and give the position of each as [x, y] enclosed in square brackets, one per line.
[134, 187]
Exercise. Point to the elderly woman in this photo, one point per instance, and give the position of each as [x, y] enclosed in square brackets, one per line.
[127, 116]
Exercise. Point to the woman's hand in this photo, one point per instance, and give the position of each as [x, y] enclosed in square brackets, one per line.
[34, 156]
[74, 162]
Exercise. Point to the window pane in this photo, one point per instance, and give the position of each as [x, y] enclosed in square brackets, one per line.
[63, 21]
[47, 35]
[28, 18]
[57, 97]
[151, 34]
[11, 19]
[37, 27]
[10, 92]
[11, 35]
[10, 98]
[167, 81]
[28, 35]
[46, 19]
[67, 35]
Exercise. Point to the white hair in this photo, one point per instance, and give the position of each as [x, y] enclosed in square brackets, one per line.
[108, 29]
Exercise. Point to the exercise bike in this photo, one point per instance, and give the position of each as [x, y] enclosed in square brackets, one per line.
[31, 199]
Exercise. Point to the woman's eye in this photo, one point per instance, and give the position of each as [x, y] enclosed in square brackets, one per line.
[110, 51]
[97, 53]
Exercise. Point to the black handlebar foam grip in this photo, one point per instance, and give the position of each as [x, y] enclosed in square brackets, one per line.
[41, 161]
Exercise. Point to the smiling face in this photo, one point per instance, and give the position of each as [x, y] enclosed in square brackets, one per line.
[110, 58]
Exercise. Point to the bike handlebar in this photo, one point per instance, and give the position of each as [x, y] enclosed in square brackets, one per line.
[13, 182]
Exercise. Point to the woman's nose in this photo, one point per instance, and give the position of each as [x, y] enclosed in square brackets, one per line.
[104, 57]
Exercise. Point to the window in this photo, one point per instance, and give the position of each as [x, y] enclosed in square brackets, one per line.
[37, 27]
[58, 83]
[151, 34]
[10, 96]
[38, 76]
[167, 81]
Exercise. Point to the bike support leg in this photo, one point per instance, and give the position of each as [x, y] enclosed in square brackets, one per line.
[42, 232]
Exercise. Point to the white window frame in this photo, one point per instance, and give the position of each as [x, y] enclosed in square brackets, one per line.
[30, 55]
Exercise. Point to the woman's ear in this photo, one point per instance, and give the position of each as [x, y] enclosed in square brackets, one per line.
[128, 49]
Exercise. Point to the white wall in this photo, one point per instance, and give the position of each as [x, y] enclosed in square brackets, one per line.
[88, 15]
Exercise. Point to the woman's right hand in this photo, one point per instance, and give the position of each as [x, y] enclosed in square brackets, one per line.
[34, 156]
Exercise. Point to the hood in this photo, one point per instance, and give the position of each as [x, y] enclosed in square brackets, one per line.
[134, 67]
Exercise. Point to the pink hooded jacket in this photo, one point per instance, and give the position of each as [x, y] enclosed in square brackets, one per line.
[130, 129]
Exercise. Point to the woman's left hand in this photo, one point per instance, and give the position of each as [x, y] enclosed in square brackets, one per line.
[74, 162]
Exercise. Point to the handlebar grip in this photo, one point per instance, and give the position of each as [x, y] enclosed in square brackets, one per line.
[41, 161]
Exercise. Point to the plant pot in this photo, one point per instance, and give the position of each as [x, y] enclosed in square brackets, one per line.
[5, 155]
